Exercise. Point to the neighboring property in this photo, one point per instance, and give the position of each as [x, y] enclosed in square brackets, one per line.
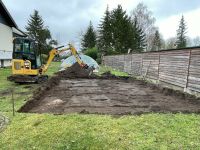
[8, 30]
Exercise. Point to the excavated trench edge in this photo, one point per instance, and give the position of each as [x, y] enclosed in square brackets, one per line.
[76, 72]
[55, 80]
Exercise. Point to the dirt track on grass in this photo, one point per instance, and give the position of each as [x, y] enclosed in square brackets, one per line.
[106, 95]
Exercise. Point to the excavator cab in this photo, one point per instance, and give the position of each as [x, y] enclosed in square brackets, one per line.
[24, 49]
[26, 62]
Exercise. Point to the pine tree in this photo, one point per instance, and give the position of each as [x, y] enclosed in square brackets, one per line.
[89, 38]
[38, 32]
[156, 41]
[120, 30]
[105, 34]
[181, 41]
[139, 38]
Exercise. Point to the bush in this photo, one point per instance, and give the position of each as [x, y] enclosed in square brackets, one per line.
[111, 51]
[99, 58]
[92, 52]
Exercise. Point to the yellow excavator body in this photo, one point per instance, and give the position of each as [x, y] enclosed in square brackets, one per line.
[24, 63]
[23, 67]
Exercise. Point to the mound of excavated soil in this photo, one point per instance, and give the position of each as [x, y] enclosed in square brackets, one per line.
[75, 71]
[75, 91]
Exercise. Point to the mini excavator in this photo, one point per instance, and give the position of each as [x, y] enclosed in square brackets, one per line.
[26, 62]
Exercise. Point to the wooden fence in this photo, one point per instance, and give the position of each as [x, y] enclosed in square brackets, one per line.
[175, 67]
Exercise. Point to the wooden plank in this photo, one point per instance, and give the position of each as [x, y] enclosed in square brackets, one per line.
[171, 66]
[172, 82]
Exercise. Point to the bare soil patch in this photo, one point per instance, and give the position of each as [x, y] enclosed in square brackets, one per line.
[69, 93]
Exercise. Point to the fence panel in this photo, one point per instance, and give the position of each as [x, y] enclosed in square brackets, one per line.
[118, 62]
[150, 65]
[194, 71]
[176, 67]
[108, 61]
[136, 64]
[127, 63]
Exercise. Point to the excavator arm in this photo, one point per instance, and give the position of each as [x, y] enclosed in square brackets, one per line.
[55, 52]
[52, 54]
[76, 55]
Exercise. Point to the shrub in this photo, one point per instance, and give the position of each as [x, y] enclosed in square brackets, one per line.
[92, 52]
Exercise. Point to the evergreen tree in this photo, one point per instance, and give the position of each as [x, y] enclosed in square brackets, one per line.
[181, 41]
[139, 38]
[105, 34]
[120, 30]
[38, 32]
[156, 41]
[89, 38]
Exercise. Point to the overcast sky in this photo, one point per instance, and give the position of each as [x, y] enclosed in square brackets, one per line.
[67, 19]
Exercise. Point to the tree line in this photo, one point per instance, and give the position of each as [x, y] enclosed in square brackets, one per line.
[119, 33]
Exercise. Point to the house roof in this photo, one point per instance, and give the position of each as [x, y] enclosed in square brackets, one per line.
[18, 32]
[6, 14]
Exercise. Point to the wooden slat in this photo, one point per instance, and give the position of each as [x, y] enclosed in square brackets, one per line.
[172, 65]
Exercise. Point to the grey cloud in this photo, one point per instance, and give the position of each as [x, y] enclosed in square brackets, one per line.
[166, 8]
[64, 18]
[67, 18]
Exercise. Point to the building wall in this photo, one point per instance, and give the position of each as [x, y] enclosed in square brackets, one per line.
[5, 63]
[6, 45]
[6, 38]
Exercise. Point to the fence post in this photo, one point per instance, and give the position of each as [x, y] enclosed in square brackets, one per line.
[102, 60]
[188, 71]
[158, 67]
[131, 64]
[112, 61]
[13, 102]
[142, 64]
[124, 64]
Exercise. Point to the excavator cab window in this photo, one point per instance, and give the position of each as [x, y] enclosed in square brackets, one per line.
[25, 49]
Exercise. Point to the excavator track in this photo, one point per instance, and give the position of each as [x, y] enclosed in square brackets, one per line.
[28, 79]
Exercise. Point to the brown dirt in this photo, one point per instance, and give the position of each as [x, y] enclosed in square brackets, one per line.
[74, 91]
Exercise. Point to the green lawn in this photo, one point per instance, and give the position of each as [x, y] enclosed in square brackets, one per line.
[44, 131]
[113, 71]
[21, 92]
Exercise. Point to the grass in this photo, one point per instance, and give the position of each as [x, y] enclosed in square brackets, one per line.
[54, 67]
[152, 131]
[45, 131]
[4, 84]
[104, 69]
[21, 92]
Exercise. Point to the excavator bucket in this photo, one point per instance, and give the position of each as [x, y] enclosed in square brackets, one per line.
[90, 64]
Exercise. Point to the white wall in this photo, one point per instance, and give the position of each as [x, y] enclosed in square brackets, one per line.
[6, 38]
[6, 45]
[6, 63]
